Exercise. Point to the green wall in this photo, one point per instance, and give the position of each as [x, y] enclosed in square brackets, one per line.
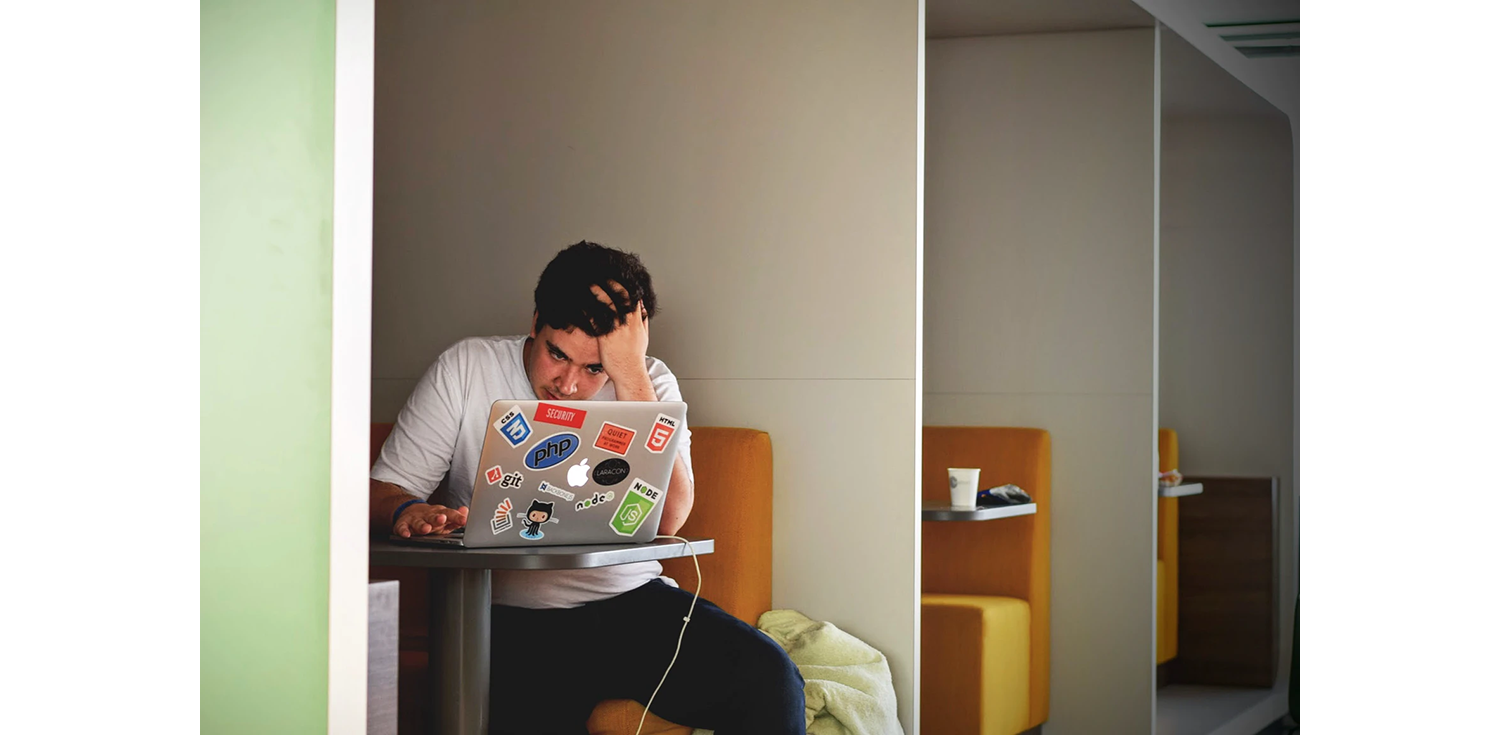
[266, 306]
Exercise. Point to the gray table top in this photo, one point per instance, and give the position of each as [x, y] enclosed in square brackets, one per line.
[393, 554]
[934, 511]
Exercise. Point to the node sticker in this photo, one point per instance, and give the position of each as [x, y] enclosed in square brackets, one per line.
[597, 500]
[633, 510]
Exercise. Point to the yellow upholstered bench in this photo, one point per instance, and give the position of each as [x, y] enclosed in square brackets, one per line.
[986, 588]
[1166, 553]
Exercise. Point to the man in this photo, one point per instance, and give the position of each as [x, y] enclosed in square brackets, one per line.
[564, 640]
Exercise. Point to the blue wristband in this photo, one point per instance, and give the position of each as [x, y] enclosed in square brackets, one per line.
[397, 515]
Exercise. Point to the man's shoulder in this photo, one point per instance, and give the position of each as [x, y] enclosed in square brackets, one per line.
[483, 347]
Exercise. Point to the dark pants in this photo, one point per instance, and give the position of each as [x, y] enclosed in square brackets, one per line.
[548, 668]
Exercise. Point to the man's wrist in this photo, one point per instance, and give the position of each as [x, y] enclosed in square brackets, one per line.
[634, 386]
[396, 514]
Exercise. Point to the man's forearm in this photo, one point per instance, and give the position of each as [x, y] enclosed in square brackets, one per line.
[385, 498]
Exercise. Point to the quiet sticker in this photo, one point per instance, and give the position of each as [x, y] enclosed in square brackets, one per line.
[661, 433]
[614, 438]
[635, 508]
[501, 522]
[513, 426]
[551, 489]
[550, 414]
[494, 474]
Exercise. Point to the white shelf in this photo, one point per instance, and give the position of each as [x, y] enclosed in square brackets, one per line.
[936, 511]
[1181, 490]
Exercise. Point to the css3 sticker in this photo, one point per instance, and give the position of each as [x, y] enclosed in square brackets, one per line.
[551, 451]
[635, 508]
[513, 426]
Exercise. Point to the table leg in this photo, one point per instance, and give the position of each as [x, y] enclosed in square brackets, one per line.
[460, 650]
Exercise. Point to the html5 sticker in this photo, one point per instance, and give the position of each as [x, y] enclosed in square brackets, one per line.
[550, 414]
[661, 433]
[615, 439]
[493, 474]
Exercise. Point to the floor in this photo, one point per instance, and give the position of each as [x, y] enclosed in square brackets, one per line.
[1204, 710]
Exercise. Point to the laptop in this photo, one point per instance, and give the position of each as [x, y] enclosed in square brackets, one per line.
[570, 472]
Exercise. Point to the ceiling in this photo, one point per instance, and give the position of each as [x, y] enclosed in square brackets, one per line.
[1193, 84]
[960, 18]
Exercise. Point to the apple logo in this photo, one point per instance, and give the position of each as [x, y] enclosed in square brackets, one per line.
[579, 476]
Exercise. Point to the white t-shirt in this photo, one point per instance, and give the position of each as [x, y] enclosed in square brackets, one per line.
[440, 432]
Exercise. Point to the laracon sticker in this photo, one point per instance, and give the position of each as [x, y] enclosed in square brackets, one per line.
[552, 451]
[635, 508]
[531, 523]
[597, 500]
[513, 426]
[501, 522]
[550, 489]
[611, 472]
[494, 474]
[614, 438]
[550, 414]
[661, 433]
[514, 479]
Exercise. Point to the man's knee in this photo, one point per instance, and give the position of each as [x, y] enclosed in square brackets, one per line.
[767, 665]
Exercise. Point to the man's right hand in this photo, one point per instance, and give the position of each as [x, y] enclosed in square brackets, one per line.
[421, 519]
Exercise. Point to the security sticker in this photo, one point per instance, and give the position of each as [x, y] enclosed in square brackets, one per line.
[501, 522]
[531, 523]
[614, 438]
[551, 451]
[569, 417]
[597, 500]
[494, 474]
[513, 426]
[551, 489]
[612, 471]
[661, 433]
[514, 479]
[634, 509]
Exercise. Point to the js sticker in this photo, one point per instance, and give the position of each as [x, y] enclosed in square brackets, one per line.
[513, 426]
[635, 508]
[553, 450]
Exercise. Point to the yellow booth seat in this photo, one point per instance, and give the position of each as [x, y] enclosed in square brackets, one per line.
[1166, 553]
[986, 588]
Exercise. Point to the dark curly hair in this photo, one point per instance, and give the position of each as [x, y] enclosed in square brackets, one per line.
[564, 295]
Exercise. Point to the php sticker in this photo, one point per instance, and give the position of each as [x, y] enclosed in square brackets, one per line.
[614, 438]
[597, 500]
[551, 451]
[501, 522]
[513, 426]
[550, 414]
[634, 509]
[551, 489]
[661, 433]
[611, 472]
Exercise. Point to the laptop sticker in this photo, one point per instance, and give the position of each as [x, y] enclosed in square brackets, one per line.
[536, 515]
[578, 474]
[550, 414]
[634, 509]
[513, 426]
[614, 438]
[501, 522]
[551, 489]
[595, 501]
[552, 451]
[661, 433]
[513, 479]
[494, 474]
[611, 472]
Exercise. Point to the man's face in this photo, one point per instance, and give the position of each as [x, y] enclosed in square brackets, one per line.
[563, 365]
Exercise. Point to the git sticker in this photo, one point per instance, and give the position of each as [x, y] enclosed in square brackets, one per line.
[614, 438]
[514, 479]
[494, 474]
[633, 510]
[569, 417]
[513, 426]
[501, 521]
[661, 433]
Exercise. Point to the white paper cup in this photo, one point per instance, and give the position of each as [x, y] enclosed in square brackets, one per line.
[963, 486]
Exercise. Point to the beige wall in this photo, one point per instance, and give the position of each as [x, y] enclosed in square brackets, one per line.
[1227, 360]
[1039, 286]
[761, 157]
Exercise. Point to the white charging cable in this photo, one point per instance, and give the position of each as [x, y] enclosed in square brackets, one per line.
[683, 632]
